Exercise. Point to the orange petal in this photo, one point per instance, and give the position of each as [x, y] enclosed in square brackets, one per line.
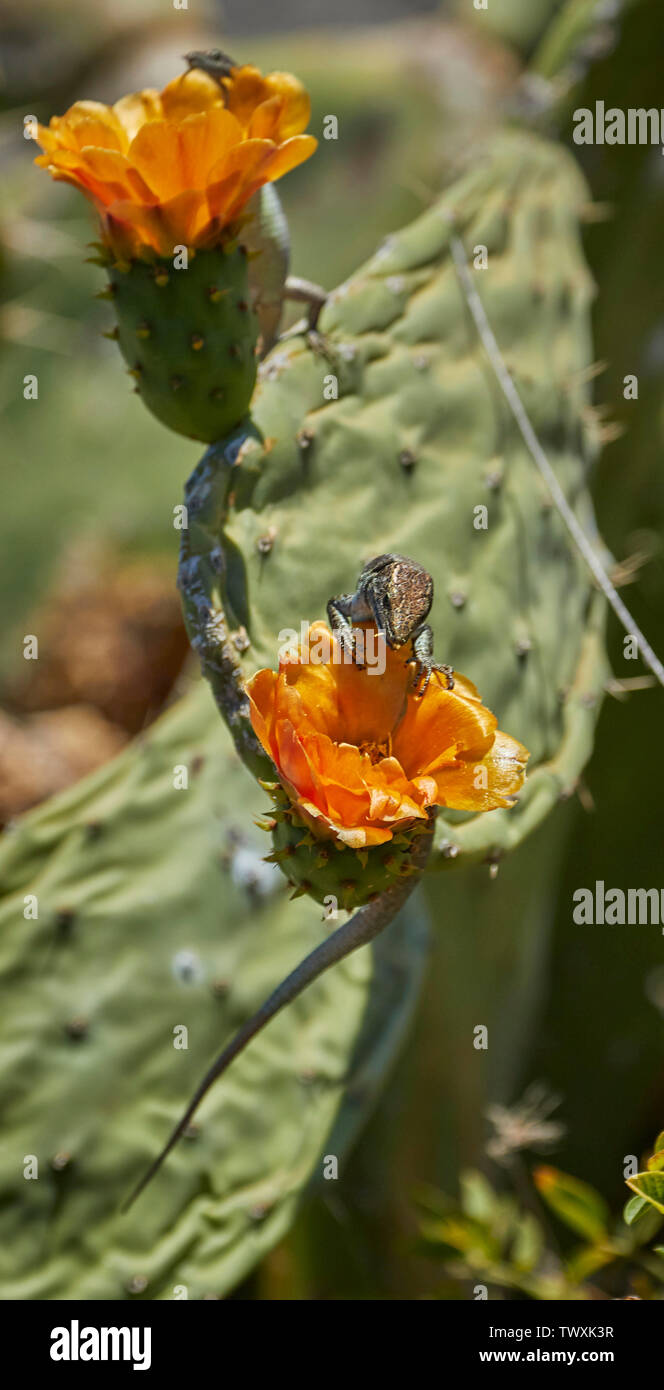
[133, 110]
[155, 151]
[190, 92]
[114, 175]
[87, 123]
[295, 103]
[264, 123]
[287, 156]
[203, 140]
[439, 726]
[160, 227]
[460, 786]
[246, 89]
[262, 690]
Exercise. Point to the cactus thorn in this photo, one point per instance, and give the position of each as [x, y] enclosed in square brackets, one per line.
[175, 382]
[197, 341]
[113, 334]
[407, 460]
[301, 889]
[278, 855]
[143, 330]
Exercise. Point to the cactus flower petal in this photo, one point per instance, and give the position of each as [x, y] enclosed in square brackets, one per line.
[361, 756]
[154, 154]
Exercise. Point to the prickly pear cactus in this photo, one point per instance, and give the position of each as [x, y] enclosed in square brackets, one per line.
[188, 336]
[396, 438]
[132, 912]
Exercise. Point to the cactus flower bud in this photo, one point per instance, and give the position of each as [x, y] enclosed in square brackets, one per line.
[170, 174]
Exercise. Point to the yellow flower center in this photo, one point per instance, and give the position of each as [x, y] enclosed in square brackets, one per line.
[377, 751]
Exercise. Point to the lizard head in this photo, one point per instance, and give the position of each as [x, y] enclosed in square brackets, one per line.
[213, 61]
[400, 594]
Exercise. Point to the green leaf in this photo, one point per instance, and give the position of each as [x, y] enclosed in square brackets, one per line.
[577, 1204]
[656, 1161]
[477, 1196]
[634, 1208]
[587, 1260]
[649, 1186]
[528, 1243]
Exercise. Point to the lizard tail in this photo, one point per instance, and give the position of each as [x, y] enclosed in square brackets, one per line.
[367, 923]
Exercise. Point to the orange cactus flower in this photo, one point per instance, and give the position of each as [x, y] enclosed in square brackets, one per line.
[362, 756]
[177, 167]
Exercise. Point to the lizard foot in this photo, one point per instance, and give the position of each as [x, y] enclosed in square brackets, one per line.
[423, 673]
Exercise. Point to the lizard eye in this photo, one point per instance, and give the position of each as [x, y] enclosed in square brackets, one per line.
[215, 55]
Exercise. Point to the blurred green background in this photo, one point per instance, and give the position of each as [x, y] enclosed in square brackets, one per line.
[90, 481]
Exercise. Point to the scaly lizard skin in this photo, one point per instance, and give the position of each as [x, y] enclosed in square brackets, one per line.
[265, 236]
[396, 594]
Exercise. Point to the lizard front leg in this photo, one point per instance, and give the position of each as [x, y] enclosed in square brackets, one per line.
[339, 612]
[342, 612]
[423, 656]
[306, 292]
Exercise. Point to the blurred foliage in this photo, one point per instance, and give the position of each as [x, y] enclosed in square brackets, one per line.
[502, 1243]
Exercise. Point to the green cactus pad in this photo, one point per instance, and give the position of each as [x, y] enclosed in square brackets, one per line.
[189, 338]
[156, 910]
[416, 448]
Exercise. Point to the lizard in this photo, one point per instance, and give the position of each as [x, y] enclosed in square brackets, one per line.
[265, 236]
[396, 593]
